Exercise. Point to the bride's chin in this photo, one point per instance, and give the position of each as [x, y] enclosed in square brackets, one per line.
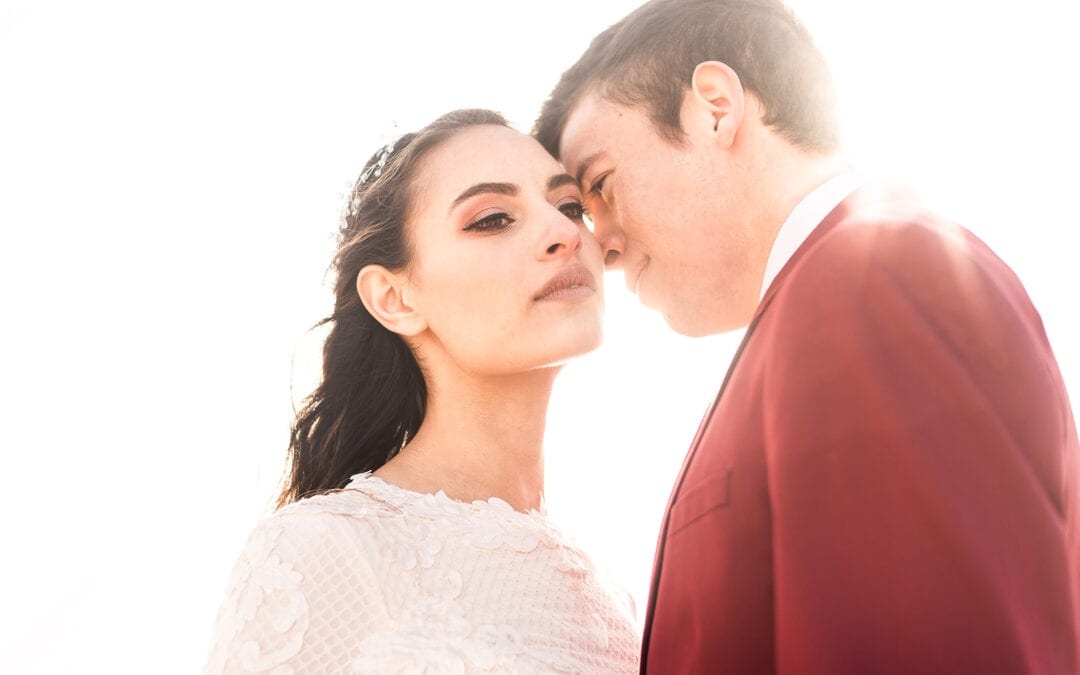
[587, 342]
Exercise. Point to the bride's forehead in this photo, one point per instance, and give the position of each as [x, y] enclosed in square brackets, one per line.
[487, 154]
[490, 142]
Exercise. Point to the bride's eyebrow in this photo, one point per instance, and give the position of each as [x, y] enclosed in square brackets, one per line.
[559, 180]
[480, 188]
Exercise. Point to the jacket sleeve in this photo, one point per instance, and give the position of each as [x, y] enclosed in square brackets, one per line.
[917, 440]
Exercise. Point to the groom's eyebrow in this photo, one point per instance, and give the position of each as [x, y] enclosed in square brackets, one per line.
[481, 188]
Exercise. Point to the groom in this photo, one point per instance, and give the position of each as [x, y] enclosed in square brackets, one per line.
[887, 480]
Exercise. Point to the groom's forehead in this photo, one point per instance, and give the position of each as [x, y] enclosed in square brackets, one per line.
[596, 126]
[586, 131]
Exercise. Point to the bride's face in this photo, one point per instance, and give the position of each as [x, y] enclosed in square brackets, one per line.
[504, 270]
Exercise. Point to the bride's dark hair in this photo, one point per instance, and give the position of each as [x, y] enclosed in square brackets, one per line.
[372, 396]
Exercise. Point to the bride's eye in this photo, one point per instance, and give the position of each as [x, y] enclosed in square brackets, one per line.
[573, 210]
[490, 223]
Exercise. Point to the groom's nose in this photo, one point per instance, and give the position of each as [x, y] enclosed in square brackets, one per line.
[612, 243]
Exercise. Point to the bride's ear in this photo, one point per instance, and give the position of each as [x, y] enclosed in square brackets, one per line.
[385, 295]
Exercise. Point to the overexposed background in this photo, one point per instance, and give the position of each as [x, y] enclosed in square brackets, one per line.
[171, 174]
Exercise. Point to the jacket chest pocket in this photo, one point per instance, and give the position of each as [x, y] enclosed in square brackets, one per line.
[707, 493]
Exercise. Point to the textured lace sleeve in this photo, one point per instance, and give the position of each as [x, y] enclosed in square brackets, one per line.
[300, 598]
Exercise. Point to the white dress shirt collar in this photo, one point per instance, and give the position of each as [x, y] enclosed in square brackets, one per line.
[804, 218]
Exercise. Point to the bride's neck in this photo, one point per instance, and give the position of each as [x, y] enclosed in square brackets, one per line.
[481, 437]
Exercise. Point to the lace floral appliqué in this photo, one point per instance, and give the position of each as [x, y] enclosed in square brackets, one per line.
[261, 580]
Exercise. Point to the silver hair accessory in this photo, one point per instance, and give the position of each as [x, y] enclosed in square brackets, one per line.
[376, 169]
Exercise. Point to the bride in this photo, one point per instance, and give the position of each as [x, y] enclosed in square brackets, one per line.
[411, 534]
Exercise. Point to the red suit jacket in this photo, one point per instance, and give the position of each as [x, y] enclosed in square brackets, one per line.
[886, 482]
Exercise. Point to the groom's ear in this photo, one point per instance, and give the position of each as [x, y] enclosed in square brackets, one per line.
[385, 294]
[715, 103]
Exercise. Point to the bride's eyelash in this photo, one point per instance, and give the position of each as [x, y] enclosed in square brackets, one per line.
[598, 186]
[574, 210]
[493, 222]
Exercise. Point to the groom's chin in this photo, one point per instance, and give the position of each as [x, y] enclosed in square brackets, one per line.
[700, 322]
[686, 328]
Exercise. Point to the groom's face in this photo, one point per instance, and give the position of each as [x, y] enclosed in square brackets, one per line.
[670, 215]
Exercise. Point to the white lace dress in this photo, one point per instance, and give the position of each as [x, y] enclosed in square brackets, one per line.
[378, 579]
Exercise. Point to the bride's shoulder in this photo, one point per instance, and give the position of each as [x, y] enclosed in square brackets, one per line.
[329, 519]
[299, 541]
[351, 501]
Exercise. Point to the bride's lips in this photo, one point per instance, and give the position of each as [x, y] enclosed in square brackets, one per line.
[572, 283]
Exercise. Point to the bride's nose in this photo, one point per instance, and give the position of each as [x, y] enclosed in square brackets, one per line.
[561, 236]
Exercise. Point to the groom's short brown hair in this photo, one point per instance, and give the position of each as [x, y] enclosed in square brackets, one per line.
[648, 58]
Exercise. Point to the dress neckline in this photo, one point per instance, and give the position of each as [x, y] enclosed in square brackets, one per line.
[396, 495]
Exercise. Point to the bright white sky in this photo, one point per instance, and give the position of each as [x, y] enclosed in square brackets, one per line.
[170, 178]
